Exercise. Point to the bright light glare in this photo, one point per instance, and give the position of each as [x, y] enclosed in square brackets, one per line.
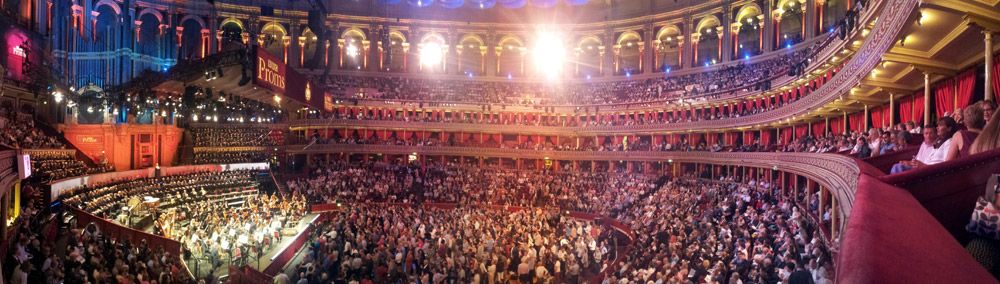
[549, 55]
[352, 51]
[430, 55]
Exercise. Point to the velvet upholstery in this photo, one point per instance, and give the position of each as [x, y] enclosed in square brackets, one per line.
[949, 190]
[890, 238]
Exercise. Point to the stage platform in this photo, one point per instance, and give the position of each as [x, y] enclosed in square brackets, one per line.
[200, 267]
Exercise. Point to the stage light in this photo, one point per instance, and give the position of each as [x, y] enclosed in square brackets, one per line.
[588, 76]
[352, 51]
[549, 55]
[58, 97]
[277, 99]
[430, 55]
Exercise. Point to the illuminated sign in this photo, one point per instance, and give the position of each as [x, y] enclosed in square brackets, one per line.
[23, 166]
[270, 72]
[327, 102]
[17, 50]
[88, 139]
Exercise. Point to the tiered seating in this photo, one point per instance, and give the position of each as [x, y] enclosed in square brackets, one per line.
[232, 135]
[666, 87]
[21, 133]
[228, 157]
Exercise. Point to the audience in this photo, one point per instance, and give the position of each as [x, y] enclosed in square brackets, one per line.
[20, 133]
[229, 157]
[962, 140]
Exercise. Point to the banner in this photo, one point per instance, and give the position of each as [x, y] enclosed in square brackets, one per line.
[269, 72]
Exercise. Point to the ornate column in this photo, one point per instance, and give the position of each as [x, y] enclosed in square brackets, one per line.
[285, 41]
[734, 32]
[179, 30]
[205, 35]
[302, 48]
[989, 65]
[864, 122]
[760, 39]
[776, 15]
[719, 31]
[927, 98]
[490, 52]
[607, 60]
[808, 20]
[820, 4]
[694, 47]
[647, 49]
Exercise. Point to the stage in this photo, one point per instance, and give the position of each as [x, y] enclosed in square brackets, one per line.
[278, 255]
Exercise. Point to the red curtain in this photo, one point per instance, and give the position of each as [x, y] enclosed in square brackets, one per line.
[836, 126]
[877, 117]
[818, 128]
[855, 121]
[918, 108]
[765, 138]
[944, 96]
[906, 109]
[996, 77]
[712, 138]
[747, 137]
[786, 135]
[801, 130]
[966, 83]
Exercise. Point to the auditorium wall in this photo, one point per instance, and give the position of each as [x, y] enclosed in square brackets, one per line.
[127, 146]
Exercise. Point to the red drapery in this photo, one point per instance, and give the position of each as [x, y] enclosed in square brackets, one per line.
[966, 82]
[747, 137]
[712, 138]
[918, 108]
[836, 126]
[944, 96]
[996, 77]
[786, 135]
[818, 128]
[906, 109]
[765, 138]
[855, 121]
[801, 130]
[877, 117]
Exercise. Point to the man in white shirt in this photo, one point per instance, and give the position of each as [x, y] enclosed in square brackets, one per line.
[927, 155]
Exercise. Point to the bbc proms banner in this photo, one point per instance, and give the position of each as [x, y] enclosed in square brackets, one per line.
[273, 74]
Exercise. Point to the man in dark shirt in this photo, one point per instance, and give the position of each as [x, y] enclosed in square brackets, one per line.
[799, 275]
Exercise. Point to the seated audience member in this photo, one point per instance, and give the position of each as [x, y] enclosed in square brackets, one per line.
[861, 149]
[912, 128]
[989, 138]
[988, 108]
[888, 144]
[932, 151]
[902, 140]
[874, 140]
[962, 139]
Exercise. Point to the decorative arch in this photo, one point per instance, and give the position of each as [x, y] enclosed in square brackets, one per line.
[196, 18]
[118, 10]
[667, 30]
[627, 36]
[352, 31]
[749, 10]
[156, 13]
[232, 20]
[472, 37]
[585, 39]
[433, 36]
[396, 33]
[708, 21]
[508, 39]
[782, 3]
[273, 25]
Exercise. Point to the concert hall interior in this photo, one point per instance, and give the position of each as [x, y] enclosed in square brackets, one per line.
[499, 141]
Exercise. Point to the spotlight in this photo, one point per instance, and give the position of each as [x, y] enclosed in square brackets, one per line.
[430, 55]
[549, 55]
